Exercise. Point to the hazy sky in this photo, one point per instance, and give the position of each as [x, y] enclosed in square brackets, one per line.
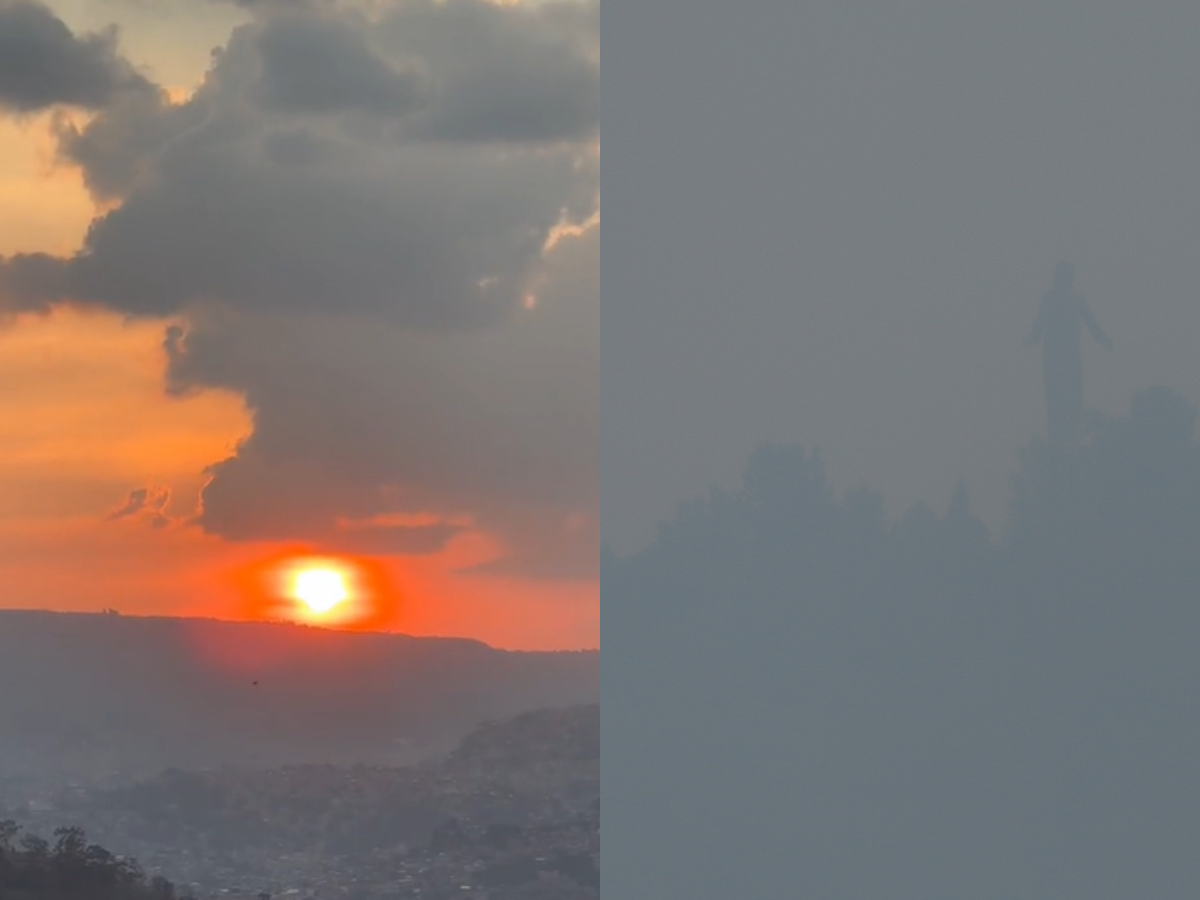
[876, 194]
[832, 222]
[320, 274]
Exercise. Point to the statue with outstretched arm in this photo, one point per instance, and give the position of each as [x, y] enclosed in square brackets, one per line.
[1061, 317]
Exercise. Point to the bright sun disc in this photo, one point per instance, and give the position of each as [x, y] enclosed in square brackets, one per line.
[318, 589]
[321, 589]
[324, 590]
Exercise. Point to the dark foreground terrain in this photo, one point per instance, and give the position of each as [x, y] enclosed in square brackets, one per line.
[512, 814]
[84, 697]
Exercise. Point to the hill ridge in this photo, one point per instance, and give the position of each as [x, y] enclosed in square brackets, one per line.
[99, 693]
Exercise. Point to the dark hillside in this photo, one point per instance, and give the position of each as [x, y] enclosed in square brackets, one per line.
[93, 694]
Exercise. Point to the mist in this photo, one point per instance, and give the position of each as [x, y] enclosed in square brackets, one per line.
[899, 470]
[838, 234]
[924, 711]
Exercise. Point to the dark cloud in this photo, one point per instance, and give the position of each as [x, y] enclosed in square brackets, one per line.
[32, 282]
[463, 71]
[270, 5]
[313, 64]
[355, 256]
[296, 147]
[492, 431]
[247, 201]
[116, 149]
[257, 495]
[507, 74]
[413, 238]
[42, 64]
[547, 545]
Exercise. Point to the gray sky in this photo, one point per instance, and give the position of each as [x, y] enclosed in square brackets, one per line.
[831, 222]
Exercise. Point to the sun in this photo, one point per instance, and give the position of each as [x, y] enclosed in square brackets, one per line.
[320, 589]
[326, 590]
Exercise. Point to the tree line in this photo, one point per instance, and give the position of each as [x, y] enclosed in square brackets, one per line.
[991, 713]
[71, 868]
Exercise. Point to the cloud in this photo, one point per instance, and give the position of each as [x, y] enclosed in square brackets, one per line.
[357, 255]
[502, 73]
[42, 64]
[316, 64]
[147, 504]
[257, 5]
[244, 196]
[492, 432]
[462, 71]
[31, 282]
[260, 496]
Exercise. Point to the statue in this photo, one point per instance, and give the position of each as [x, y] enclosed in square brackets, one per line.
[1060, 321]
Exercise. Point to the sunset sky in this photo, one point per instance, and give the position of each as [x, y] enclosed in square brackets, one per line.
[302, 275]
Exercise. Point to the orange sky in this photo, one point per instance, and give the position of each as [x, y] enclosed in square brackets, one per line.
[84, 419]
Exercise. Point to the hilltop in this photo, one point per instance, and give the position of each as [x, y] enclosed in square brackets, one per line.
[549, 735]
[91, 695]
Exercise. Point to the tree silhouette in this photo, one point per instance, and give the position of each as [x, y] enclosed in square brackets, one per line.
[70, 869]
[917, 685]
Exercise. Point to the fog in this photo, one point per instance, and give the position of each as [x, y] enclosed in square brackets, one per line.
[900, 483]
[917, 710]
[835, 221]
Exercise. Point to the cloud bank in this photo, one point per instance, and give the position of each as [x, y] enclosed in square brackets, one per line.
[393, 255]
[42, 64]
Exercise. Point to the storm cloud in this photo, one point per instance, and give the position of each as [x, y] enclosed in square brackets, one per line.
[393, 256]
[245, 195]
[315, 64]
[493, 431]
[42, 64]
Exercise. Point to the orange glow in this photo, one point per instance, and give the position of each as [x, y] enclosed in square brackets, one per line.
[85, 419]
[46, 206]
[335, 592]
